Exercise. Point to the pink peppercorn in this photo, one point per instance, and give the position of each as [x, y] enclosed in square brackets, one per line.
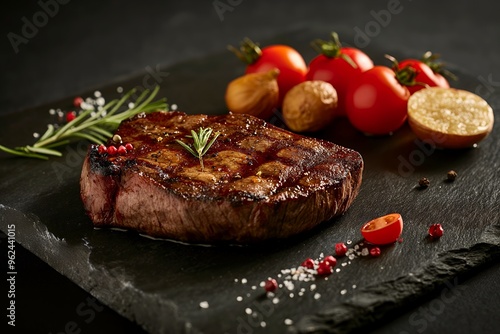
[112, 150]
[375, 251]
[70, 115]
[308, 263]
[122, 150]
[340, 249]
[102, 149]
[77, 102]
[271, 285]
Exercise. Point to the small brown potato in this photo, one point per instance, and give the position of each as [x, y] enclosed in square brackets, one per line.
[310, 106]
[449, 118]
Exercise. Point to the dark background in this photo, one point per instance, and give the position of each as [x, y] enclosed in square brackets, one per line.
[88, 44]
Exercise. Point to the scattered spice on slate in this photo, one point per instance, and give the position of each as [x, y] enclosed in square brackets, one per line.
[436, 231]
[70, 116]
[375, 251]
[271, 285]
[451, 175]
[340, 249]
[424, 182]
[308, 263]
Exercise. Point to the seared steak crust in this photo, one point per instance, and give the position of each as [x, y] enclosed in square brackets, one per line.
[259, 181]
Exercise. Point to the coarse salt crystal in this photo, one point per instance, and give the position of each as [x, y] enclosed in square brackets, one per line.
[100, 101]
[173, 107]
[254, 287]
[239, 298]
[204, 304]
[288, 322]
[365, 252]
[312, 287]
[354, 286]
[343, 292]
[317, 296]
[262, 284]
[352, 256]
[119, 89]
[349, 242]
[262, 324]
[97, 93]
[52, 111]
[248, 310]
[276, 300]
[291, 295]
[236, 280]
[337, 270]
[131, 105]
[244, 281]
[86, 106]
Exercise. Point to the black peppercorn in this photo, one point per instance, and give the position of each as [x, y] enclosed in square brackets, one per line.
[451, 175]
[424, 182]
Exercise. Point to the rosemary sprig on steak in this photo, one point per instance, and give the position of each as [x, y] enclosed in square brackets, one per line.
[200, 143]
[96, 127]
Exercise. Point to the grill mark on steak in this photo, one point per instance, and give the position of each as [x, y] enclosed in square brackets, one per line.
[259, 181]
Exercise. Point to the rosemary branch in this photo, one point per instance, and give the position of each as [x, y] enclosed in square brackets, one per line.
[200, 143]
[95, 127]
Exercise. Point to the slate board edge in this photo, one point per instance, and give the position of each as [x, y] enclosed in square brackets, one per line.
[369, 305]
[374, 303]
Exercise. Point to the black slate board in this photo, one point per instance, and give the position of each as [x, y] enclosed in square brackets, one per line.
[159, 284]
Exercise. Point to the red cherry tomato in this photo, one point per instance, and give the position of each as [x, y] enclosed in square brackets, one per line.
[383, 230]
[376, 101]
[337, 65]
[424, 77]
[293, 68]
[428, 72]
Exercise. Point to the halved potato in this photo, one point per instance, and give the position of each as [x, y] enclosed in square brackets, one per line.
[449, 118]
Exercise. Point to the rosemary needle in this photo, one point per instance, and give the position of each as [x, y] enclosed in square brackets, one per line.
[200, 143]
[95, 127]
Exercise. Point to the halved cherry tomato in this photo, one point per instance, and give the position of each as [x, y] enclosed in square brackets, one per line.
[287, 60]
[429, 73]
[337, 65]
[383, 230]
[376, 101]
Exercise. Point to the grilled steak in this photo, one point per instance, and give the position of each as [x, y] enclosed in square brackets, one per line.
[258, 181]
